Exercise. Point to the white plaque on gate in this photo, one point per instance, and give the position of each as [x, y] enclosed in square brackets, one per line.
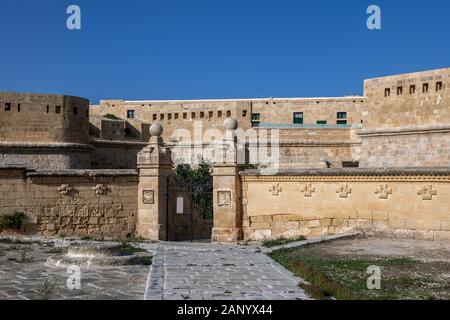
[180, 205]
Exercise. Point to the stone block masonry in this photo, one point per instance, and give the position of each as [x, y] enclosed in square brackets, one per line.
[412, 146]
[411, 203]
[83, 203]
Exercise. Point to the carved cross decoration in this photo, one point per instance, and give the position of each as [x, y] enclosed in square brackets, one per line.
[100, 189]
[65, 189]
[276, 189]
[344, 191]
[427, 192]
[308, 190]
[383, 191]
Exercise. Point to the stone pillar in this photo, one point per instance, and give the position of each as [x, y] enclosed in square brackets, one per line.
[227, 188]
[155, 165]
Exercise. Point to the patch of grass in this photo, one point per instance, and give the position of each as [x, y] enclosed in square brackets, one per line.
[25, 256]
[130, 248]
[17, 241]
[146, 260]
[47, 289]
[345, 276]
[12, 221]
[135, 239]
[270, 243]
[55, 250]
[110, 116]
[403, 262]
[320, 286]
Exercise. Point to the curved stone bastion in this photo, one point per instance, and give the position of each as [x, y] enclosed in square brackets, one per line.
[44, 131]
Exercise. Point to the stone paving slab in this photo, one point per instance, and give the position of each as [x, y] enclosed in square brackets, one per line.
[185, 271]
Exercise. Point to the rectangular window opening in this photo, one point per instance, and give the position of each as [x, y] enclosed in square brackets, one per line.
[256, 117]
[425, 87]
[58, 109]
[399, 91]
[387, 92]
[75, 111]
[412, 89]
[130, 114]
[298, 117]
[439, 86]
[7, 106]
[342, 115]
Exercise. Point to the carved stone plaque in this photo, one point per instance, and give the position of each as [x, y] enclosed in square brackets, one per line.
[148, 197]
[224, 198]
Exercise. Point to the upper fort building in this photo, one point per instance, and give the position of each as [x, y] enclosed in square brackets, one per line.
[44, 130]
[400, 121]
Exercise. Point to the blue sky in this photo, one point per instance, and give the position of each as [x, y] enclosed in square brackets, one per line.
[188, 49]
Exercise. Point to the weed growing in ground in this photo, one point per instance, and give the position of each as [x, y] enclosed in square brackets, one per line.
[270, 243]
[11, 221]
[47, 289]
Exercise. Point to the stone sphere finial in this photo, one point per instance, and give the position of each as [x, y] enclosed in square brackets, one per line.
[230, 124]
[156, 130]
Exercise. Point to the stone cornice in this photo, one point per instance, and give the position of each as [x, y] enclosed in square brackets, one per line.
[337, 143]
[49, 145]
[11, 171]
[408, 130]
[115, 143]
[352, 174]
[83, 173]
[324, 143]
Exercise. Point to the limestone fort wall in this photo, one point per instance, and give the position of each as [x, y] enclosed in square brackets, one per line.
[410, 203]
[412, 99]
[398, 117]
[307, 145]
[43, 118]
[210, 114]
[115, 154]
[75, 203]
[407, 122]
[44, 131]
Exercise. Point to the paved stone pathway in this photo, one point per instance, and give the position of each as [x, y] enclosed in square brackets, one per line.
[184, 271]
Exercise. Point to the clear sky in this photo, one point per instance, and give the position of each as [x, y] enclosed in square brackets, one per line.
[189, 49]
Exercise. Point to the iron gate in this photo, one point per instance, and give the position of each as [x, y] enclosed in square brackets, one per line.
[188, 209]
